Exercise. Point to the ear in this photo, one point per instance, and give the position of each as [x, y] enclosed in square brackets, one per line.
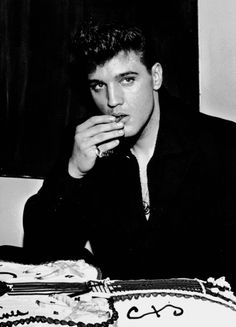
[157, 76]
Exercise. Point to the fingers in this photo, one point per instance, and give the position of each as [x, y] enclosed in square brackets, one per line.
[104, 137]
[107, 147]
[99, 129]
[95, 120]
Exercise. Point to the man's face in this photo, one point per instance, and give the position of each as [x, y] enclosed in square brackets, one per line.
[123, 86]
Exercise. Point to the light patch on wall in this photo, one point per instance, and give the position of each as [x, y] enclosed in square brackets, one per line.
[217, 57]
[13, 194]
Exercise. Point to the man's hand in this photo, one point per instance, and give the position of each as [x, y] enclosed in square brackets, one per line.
[97, 132]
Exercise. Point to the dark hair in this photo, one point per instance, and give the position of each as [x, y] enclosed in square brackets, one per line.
[94, 44]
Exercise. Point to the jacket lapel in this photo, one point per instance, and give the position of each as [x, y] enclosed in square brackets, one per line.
[175, 149]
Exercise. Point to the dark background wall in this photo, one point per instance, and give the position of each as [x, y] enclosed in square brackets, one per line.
[36, 103]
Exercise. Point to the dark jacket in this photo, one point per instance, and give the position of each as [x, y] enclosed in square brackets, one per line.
[192, 185]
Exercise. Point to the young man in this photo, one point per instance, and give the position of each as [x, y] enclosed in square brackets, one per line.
[150, 183]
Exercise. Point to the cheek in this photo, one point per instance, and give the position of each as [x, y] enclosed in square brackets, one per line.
[99, 102]
[144, 102]
[144, 94]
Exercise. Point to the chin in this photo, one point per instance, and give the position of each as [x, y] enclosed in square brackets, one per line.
[129, 133]
[132, 131]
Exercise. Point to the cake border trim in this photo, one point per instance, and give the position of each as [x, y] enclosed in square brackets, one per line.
[42, 319]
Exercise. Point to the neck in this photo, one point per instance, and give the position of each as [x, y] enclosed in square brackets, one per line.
[144, 147]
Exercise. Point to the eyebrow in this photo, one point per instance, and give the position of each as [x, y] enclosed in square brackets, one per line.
[130, 72]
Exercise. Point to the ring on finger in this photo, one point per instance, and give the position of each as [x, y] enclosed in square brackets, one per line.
[99, 153]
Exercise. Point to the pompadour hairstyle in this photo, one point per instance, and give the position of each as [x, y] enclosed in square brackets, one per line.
[94, 44]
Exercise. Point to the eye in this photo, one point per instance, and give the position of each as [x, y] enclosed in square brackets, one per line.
[128, 80]
[96, 87]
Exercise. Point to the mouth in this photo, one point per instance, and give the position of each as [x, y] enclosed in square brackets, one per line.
[120, 117]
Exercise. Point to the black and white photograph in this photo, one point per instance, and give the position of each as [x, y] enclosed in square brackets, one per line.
[117, 163]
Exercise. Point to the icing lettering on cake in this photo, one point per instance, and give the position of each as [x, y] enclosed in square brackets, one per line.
[176, 302]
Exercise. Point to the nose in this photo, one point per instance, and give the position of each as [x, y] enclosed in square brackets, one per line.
[114, 96]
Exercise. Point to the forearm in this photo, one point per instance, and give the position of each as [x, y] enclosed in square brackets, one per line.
[54, 219]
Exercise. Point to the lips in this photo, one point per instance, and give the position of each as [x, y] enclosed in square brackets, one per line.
[120, 117]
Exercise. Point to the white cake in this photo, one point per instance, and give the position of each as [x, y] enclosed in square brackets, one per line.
[71, 293]
[54, 293]
[172, 302]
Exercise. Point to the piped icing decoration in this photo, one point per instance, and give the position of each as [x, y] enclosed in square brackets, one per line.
[8, 273]
[67, 321]
[221, 287]
[52, 293]
[133, 312]
[220, 283]
[67, 268]
[4, 288]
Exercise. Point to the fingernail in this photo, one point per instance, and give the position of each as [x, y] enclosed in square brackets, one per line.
[121, 131]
